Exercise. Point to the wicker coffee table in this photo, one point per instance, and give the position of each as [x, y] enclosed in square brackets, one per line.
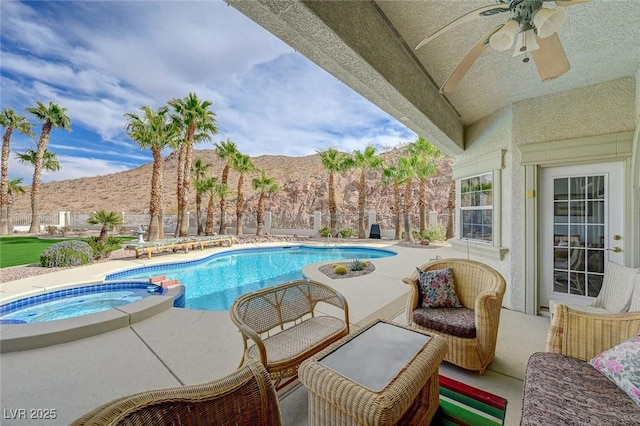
[383, 374]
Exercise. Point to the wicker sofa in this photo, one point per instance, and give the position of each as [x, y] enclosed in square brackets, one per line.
[562, 388]
[283, 325]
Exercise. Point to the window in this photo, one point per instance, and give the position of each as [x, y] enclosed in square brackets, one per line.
[478, 205]
[476, 208]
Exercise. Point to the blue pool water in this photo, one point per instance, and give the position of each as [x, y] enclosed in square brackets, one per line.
[215, 282]
[73, 302]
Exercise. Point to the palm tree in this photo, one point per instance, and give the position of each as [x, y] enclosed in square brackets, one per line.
[49, 159]
[364, 161]
[266, 185]
[199, 169]
[14, 188]
[226, 151]
[180, 147]
[393, 176]
[10, 121]
[202, 187]
[241, 164]
[451, 208]
[426, 152]
[334, 162]
[214, 189]
[153, 130]
[52, 116]
[49, 163]
[108, 220]
[199, 124]
[408, 167]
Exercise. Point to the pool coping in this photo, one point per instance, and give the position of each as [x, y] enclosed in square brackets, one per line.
[21, 337]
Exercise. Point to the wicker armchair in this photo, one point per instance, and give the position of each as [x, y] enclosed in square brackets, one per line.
[479, 288]
[281, 325]
[583, 335]
[243, 397]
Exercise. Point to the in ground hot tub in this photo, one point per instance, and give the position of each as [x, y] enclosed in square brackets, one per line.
[69, 314]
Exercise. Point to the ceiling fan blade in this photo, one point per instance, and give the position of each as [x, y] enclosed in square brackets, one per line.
[476, 14]
[565, 3]
[550, 58]
[465, 64]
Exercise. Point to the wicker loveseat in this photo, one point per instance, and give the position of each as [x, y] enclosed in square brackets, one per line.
[562, 388]
[244, 397]
[471, 331]
[281, 326]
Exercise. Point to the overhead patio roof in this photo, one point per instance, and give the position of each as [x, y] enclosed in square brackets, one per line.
[370, 46]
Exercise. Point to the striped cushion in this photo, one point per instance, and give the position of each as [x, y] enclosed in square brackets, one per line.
[635, 298]
[617, 287]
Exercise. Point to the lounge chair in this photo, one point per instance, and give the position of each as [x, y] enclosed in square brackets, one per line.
[175, 244]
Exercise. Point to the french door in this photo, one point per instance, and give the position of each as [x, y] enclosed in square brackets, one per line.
[581, 225]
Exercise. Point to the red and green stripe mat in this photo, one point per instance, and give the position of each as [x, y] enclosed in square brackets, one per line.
[463, 405]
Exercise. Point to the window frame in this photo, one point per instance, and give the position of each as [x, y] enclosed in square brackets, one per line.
[490, 163]
[479, 192]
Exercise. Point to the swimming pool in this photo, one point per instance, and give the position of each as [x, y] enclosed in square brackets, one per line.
[76, 301]
[213, 283]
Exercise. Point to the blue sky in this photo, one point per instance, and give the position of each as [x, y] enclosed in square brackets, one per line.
[102, 59]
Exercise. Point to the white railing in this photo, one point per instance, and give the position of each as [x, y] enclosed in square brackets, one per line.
[24, 219]
[280, 223]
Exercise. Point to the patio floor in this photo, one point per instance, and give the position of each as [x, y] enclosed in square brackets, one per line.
[183, 347]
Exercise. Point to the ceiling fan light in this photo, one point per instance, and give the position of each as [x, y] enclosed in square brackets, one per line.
[503, 38]
[526, 42]
[548, 21]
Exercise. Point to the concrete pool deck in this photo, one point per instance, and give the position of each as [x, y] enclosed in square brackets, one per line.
[183, 347]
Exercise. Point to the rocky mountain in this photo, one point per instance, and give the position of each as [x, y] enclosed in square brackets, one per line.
[303, 182]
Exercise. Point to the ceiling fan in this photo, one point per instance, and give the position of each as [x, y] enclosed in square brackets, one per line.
[532, 26]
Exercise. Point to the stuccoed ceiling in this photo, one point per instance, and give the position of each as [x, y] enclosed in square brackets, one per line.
[601, 39]
[370, 46]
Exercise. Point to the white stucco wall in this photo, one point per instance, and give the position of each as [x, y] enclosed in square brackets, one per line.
[636, 178]
[491, 134]
[595, 110]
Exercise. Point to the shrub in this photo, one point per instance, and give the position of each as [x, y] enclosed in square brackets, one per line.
[340, 270]
[432, 234]
[51, 229]
[358, 265]
[66, 253]
[102, 249]
[324, 231]
[347, 232]
[64, 230]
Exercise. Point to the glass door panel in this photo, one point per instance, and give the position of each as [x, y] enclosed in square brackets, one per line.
[579, 229]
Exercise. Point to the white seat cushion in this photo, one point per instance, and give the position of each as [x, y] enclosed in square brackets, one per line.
[617, 287]
[553, 305]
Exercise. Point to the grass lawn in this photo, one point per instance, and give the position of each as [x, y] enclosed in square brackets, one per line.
[16, 251]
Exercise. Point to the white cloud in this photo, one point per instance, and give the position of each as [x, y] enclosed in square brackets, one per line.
[89, 151]
[70, 168]
[100, 60]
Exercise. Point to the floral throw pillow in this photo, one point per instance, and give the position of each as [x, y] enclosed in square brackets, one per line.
[621, 365]
[438, 289]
